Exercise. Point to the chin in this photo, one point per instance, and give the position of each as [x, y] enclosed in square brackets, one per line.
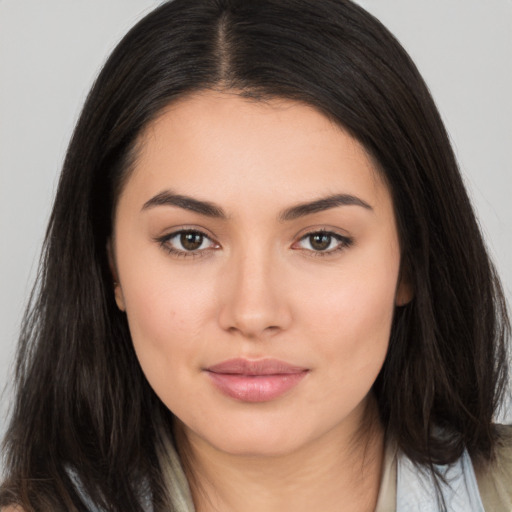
[250, 439]
[257, 446]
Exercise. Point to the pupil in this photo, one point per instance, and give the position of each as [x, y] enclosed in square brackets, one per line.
[191, 241]
[320, 242]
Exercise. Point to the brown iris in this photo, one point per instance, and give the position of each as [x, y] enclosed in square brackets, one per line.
[320, 241]
[191, 241]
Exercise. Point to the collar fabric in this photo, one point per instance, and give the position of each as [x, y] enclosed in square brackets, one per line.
[404, 486]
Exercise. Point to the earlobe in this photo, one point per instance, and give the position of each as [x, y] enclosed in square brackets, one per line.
[404, 295]
[404, 291]
[118, 292]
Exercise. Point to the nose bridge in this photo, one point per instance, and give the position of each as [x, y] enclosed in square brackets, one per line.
[255, 301]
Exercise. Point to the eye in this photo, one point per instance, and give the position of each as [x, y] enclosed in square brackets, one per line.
[187, 242]
[323, 242]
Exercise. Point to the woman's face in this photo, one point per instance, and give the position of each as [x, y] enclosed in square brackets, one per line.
[257, 257]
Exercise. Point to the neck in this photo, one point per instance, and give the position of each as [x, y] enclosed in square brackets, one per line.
[341, 468]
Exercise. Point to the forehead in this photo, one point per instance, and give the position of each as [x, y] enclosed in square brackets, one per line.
[239, 148]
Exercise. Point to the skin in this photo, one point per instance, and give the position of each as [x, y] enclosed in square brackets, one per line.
[258, 288]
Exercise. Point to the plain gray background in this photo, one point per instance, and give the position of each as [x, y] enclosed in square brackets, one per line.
[51, 50]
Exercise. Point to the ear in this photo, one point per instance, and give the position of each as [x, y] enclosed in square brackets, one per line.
[118, 292]
[404, 291]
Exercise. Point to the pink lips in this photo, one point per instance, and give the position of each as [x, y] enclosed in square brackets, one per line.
[255, 381]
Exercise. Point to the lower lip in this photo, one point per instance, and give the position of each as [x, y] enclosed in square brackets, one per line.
[255, 388]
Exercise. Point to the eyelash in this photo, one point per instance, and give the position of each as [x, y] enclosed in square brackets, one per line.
[343, 243]
[165, 240]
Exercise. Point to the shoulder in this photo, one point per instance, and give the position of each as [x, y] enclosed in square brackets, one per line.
[12, 508]
[495, 479]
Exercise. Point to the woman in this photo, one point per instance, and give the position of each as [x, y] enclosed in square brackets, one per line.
[263, 285]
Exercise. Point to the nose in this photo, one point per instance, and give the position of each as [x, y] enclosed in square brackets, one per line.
[254, 297]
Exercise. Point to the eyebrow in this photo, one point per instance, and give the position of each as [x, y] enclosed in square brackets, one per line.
[168, 198]
[322, 204]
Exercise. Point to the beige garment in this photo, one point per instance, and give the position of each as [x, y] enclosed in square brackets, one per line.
[494, 482]
[386, 502]
[178, 490]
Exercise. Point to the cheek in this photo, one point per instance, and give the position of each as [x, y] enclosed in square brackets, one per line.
[167, 311]
[352, 316]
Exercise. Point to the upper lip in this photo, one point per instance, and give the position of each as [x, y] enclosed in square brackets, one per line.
[241, 366]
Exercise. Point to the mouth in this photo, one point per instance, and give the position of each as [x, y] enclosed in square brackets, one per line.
[255, 381]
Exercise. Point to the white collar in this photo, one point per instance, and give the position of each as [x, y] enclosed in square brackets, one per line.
[416, 490]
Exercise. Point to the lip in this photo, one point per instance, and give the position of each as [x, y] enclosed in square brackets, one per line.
[255, 381]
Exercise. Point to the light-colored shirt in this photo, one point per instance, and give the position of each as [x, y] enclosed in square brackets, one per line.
[403, 487]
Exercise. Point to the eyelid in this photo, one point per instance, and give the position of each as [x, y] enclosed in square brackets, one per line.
[164, 242]
[345, 241]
